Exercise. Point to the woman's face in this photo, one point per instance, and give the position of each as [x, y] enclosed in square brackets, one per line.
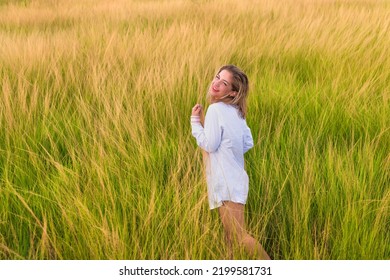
[221, 86]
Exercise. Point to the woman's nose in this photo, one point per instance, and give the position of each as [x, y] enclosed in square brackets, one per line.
[217, 82]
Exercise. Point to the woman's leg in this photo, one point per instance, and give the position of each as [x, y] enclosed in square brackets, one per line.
[232, 216]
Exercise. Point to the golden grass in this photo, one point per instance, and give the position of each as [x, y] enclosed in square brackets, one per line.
[97, 160]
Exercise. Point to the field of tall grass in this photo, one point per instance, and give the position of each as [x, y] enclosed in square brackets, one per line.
[97, 160]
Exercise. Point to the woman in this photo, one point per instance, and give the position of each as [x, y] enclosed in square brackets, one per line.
[226, 137]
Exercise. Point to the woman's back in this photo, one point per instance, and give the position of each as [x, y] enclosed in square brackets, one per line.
[235, 134]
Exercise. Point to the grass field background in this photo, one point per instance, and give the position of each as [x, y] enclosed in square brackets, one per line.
[97, 160]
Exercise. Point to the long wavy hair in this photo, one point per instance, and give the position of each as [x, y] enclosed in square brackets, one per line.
[240, 84]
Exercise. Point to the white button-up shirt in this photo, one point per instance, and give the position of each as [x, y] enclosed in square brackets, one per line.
[225, 137]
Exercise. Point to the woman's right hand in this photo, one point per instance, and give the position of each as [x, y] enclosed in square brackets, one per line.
[197, 110]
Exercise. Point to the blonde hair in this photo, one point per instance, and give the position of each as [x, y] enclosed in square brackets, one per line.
[240, 84]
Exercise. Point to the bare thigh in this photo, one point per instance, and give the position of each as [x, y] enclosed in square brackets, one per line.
[232, 216]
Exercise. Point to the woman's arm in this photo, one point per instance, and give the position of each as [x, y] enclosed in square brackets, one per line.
[248, 139]
[209, 136]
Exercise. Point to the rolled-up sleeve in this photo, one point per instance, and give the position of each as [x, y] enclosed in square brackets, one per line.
[207, 137]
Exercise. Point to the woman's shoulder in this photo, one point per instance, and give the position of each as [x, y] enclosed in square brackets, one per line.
[219, 109]
[222, 110]
[220, 106]
[215, 107]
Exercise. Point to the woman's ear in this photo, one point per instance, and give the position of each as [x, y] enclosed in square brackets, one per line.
[233, 93]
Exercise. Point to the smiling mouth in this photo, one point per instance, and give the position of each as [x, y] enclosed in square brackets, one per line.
[214, 89]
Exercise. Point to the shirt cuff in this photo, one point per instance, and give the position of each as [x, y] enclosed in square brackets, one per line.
[195, 119]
